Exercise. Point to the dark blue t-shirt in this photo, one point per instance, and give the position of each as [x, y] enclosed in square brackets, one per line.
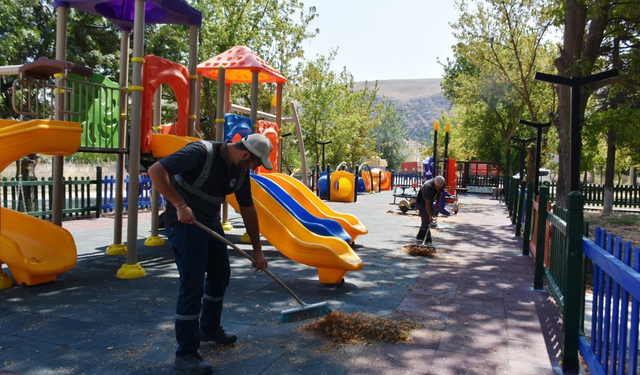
[188, 163]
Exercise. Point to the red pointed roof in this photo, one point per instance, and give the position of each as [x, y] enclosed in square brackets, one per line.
[240, 62]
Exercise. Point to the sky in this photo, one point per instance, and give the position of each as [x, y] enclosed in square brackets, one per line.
[384, 39]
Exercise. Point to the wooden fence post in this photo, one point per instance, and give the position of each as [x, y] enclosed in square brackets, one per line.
[527, 220]
[541, 248]
[573, 281]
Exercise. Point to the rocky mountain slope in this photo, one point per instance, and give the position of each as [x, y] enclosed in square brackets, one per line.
[421, 99]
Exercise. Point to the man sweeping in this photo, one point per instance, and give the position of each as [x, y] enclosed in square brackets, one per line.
[428, 194]
[204, 173]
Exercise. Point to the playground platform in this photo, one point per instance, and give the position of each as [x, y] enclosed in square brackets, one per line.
[480, 313]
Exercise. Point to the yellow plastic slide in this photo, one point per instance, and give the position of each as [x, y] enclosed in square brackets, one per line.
[35, 251]
[315, 205]
[163, 145]
[332, 256]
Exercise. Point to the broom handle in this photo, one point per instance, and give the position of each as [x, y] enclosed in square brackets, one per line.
[253, 261]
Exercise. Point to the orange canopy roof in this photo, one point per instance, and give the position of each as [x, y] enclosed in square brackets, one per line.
[240, 62]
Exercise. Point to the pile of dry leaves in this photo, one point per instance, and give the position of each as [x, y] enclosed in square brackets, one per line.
[418, 250]
[355, 328]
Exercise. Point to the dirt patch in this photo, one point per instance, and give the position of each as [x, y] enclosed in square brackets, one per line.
[625, 225]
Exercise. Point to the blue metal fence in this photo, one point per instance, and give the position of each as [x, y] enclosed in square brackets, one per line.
[144, 198]
[612, 347]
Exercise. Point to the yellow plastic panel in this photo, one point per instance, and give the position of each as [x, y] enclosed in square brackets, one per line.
[50, 137]
[38, 250]
[163, 145]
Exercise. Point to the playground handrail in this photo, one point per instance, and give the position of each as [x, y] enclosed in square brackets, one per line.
[344, 164]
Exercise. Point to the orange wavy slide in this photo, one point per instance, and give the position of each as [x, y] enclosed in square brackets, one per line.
[315, 205]
[332, 256]
[35, 250]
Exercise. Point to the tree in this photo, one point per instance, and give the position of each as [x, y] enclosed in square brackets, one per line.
[359, 115]
[491, 83]
[585, 26]
[274, 30]
[390, 135]
[318, 91]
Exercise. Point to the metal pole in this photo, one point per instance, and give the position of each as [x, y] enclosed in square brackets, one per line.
[193, 79]
[436, 125]
[131, 269]
[323, 144]
[154, 239]
[576, 127]
[446, 152]
[58, 161]
[222, 76]
[279, 123]
[222, 104]
[254, 99]
[539, 128]
[303, 160]
[117, 247]
[507, 175]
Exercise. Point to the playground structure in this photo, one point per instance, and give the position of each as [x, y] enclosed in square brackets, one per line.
[342, 185]
[91, 105]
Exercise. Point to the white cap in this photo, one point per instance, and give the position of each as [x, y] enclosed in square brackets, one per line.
[260, 146]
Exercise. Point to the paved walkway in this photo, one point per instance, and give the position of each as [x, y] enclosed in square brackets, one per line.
[475, 299]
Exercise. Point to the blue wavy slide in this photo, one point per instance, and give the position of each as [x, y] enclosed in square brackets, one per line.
[319, 226]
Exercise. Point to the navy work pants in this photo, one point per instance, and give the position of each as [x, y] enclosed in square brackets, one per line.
[199, 304]
[424, 215]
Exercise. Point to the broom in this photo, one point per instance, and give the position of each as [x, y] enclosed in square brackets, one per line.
[305, 311]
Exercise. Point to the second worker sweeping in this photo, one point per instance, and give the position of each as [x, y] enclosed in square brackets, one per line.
[428, 194]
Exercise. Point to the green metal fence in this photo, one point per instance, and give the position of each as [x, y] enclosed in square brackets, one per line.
[625, 196]
[35, 197]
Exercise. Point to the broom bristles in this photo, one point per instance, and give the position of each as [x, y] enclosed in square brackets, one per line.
[305, 312]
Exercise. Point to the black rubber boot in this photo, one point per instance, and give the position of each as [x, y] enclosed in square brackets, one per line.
[193, 364]
[219, 336]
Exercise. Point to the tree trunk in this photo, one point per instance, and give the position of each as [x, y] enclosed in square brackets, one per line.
[562, 122]
[579, 44]
[25, 168]
[607, 206]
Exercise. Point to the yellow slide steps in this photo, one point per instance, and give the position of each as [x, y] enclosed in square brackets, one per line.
[332, 256]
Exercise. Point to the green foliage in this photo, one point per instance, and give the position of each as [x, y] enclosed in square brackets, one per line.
[90, 158]
[390, 136]
[331, 110]
[275, 30]
[501, 45]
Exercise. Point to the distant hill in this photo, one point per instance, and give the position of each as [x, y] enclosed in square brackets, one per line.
[421, 99]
